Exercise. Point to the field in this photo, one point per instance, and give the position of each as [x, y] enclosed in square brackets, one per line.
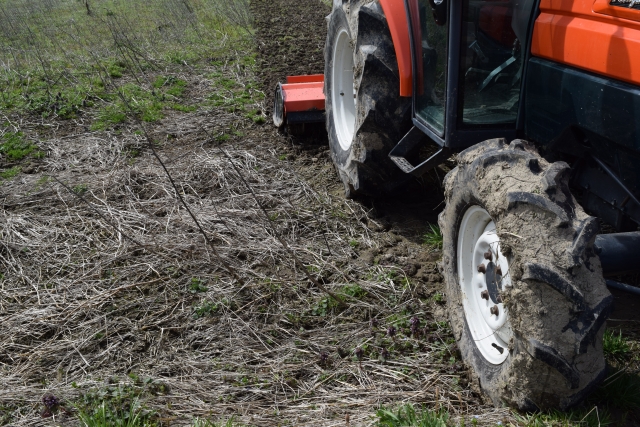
[167, 257]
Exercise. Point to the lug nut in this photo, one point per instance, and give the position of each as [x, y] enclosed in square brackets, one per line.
[482, 269]
[499, 299]
[499, 270]
[488, 255]
[494, 310]
[484, 295]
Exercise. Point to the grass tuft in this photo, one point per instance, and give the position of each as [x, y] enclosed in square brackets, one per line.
[621, 390]
[198, 422]
[433, 237]
[14, 146]
[591, 417]
[10, 173]
[105, 416]
[615, 347]
[406, 416]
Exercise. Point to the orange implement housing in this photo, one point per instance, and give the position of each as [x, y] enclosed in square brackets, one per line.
[300, 100]
[303, 93]
[591, 35]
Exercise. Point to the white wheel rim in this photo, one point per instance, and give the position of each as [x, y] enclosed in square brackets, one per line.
[343, 93]
[491, 333]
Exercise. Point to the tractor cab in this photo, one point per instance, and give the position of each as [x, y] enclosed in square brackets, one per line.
[469, 64]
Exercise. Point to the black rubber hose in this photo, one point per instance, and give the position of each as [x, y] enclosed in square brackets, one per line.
[623, 287]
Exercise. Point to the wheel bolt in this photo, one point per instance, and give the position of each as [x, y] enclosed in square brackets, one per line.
[485, 295]
[482, 269]
[494, 310]
[488, 255]
[499, 270]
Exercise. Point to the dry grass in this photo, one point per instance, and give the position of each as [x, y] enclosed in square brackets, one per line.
[82, 303]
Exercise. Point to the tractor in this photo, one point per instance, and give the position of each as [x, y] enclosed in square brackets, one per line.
[539, 101]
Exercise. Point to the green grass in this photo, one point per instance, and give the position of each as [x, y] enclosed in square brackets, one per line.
[15, 147]
[328, 305]
[207, 423]
[615, 347]
[80, 189]
[10, 173]
[206, 308]
[407, 416]
[196, 285]
[66, 63]
[621, 390]
[433, 237]
[119, 405]
[592, 417]
[105, 416]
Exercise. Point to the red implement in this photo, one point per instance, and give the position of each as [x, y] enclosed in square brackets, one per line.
[300, 100]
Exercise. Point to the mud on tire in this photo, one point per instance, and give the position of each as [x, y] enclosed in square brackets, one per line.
[382, 117]
[557, 302]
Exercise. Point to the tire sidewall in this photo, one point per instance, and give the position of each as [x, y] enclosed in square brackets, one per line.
[337, 22]
[488, 374]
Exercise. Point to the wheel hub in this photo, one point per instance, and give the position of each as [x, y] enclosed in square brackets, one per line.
[484, 273]
[343, 94]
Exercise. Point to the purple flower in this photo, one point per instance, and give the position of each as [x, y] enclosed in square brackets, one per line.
[50, 401]
[415, 324]
[324, 358]
[391, 331]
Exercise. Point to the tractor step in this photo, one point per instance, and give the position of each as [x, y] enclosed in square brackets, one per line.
[300, 100]
[408, 144]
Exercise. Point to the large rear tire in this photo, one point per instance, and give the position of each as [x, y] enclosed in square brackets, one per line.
[533, 340]
[366, 117]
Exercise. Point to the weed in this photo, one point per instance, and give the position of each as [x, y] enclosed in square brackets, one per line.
[406, 416]
[354, 243]
[206, 308]
[119, 405]
[353, 291]
[615, 347]
[433, 237]
[197, 285]
[324, 307]
[80, 189]
[438, 298]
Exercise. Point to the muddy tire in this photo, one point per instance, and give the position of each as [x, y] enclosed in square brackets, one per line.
[366, 117]
[550, 292]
